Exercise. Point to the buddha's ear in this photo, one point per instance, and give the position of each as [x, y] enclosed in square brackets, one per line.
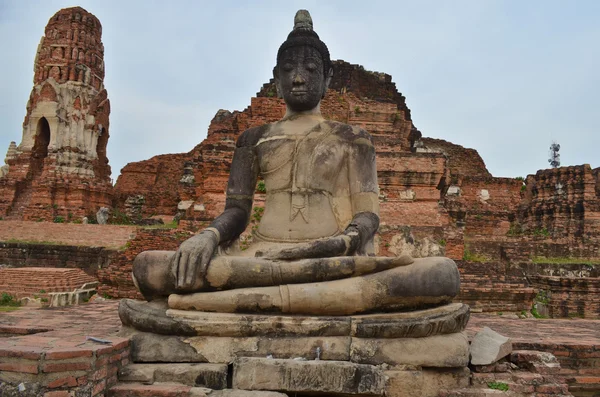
[328, 78]
[276, 78]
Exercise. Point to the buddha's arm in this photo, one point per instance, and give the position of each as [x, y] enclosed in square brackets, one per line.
[193, 256]
[364, 190]
[240, 194]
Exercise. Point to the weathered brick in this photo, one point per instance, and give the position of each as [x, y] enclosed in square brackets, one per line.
[66, 366]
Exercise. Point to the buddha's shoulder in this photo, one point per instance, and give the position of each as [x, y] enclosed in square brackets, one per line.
[252, 135]
[349, 133]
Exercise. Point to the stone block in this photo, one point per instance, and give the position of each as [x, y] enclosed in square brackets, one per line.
[148, 348]
[338, 377]
[225, 350]
[425, 382]
[213, 376]
[489, 346]
[444, 351]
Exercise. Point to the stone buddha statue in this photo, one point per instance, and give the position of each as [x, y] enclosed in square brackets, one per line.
[313, 251]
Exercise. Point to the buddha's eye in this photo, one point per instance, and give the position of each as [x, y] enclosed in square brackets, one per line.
[311, 66]
[288, 67]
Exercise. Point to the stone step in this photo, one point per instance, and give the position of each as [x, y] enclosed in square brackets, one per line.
[212, 376]
[478, 393]
[317, 376]
[179, 390]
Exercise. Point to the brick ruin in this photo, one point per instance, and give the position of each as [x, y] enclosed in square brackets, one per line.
[60, 167]
[437, 198]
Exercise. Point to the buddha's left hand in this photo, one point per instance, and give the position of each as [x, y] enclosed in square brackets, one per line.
[343, 245]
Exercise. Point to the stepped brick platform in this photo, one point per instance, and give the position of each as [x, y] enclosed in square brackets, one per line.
[109, 236]
[27, 282]
[574, 342]
[50, 353]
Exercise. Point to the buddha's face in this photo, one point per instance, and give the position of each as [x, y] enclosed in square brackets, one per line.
[300, 78]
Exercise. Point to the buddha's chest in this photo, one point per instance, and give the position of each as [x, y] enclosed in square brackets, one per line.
[311, 161]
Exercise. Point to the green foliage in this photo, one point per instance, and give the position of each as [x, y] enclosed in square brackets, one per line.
[260, 187]
[44, 300]
[59, 219]
[474, 257]
[541, 232]
[7, 299]
[520, 178]
[42, 291]
[443, 242]
[498, 386]
[542, 297]
[357, 109]
[257, 213]
[92, 219]
[535, 313]
[120, 218]
[523, 188]
[514, 230]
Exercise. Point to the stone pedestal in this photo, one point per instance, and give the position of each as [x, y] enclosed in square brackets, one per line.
[415, 353]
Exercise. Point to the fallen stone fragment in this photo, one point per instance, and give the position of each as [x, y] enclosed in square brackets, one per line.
[488, 346]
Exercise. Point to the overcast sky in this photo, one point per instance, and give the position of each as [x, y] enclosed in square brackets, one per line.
[503, 77]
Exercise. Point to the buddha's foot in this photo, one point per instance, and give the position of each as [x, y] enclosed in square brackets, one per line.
[426, 283]
[153, 275]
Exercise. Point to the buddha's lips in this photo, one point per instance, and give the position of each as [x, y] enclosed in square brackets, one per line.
[299, 92]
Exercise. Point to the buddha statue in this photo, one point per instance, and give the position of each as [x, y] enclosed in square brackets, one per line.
[313, 251]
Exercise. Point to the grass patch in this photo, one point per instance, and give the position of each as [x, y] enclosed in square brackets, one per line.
[17, 241]
[170, 225]
[565, 261]
[8, 308]
[498, 386]
[474, 257]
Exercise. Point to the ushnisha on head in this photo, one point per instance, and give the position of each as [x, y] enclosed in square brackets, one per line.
[303, 70]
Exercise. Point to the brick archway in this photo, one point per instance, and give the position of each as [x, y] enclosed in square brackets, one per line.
[40, 146]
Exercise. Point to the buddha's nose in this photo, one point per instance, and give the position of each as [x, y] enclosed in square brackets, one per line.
[298, 79]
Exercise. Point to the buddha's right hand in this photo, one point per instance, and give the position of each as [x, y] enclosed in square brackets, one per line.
[192, 258]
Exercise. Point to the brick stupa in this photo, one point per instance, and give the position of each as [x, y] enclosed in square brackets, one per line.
[60, 167]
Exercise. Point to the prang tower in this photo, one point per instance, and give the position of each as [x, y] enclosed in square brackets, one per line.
[60, 169]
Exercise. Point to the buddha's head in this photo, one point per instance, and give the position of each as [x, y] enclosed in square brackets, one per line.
[303, 70]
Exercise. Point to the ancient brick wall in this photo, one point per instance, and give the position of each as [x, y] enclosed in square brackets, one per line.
[60, 167]
[570, 296]
[494, 287]
[116, 278]
[461, 161]
[564, 202]
[26, 255]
